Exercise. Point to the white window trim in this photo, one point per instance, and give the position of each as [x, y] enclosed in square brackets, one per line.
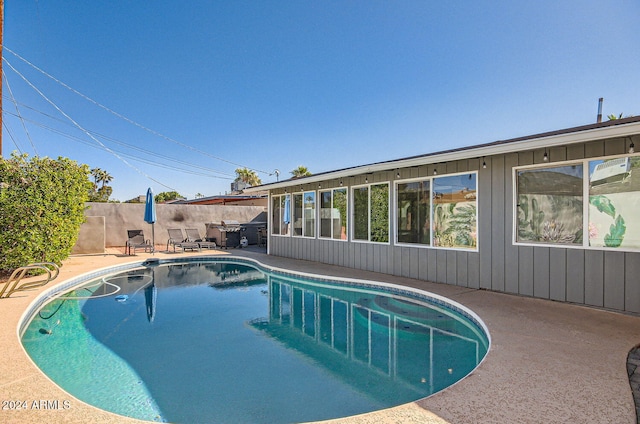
[332, 190]
[585, 204]
[315, 213]
[389, 223]
[281, 223]
[431, 181]
[395, 214]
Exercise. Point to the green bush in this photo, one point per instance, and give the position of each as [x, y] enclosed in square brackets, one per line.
[41, 208]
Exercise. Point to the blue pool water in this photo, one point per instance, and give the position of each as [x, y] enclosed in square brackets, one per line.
[231, 341]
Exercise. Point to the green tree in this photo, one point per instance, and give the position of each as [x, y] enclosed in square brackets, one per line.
[301, 171]
[105, 178]
[96, 173]
[248, 176]
[165, 196]
[613, 117]
[41, 208]
[103, 192]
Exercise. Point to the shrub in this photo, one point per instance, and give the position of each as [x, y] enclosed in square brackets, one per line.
[41, 208]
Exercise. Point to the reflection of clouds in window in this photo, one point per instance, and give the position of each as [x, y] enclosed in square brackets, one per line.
[455, 183]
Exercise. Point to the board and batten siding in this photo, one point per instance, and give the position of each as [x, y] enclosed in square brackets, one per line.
[600, 278]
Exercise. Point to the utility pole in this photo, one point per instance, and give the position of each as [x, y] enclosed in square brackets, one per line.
[1, 74]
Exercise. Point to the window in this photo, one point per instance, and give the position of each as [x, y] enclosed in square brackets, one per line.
[413, 211]
[310, 216]
[614, 202]
[455, 211]
[361, 213]
[371, 213]
[275, 215]
[550, 204]
[333, 214]
[590, 203]
[297, 214]
[280, 214]
[304, 214]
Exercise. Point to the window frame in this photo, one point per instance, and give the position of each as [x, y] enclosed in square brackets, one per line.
[432, 180]
[586, 240]
[396, 199]
[353, 211]
[303, 218]
[281, 215]
[319, 209]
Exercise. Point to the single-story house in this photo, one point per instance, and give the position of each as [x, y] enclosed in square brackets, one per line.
[552, 216]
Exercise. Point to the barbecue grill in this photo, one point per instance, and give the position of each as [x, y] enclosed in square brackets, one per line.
[227, 234]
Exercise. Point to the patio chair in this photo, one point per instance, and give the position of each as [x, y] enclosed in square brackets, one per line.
[13, 285]
[136, 240]
[193, 235]
[177, 239]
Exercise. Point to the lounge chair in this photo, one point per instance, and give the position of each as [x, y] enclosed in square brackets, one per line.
[193, 235]
[13, 285]
[177, 239]
[136, 240]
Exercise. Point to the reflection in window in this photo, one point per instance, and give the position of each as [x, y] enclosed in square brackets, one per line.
[361, 213]
[304, 214]
[454, 211]
[380, 213]
[550, 204]
[413, 212]
[280, 214]
[333, 214]
[275, 215]
[309, 214]
[614, 200]
[297, 214]
[371, 213]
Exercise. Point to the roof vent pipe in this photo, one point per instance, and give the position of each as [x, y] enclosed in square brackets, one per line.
[600, 100]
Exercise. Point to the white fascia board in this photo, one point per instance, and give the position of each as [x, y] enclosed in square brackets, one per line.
[615, 131]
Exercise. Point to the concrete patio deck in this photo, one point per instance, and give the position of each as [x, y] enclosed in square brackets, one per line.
[549, 362]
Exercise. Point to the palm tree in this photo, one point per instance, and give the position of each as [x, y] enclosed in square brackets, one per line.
[301, 171]
[105, 178]
[96, 173]
[248, 176]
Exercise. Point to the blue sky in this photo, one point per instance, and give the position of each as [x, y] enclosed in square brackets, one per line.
[214, 85]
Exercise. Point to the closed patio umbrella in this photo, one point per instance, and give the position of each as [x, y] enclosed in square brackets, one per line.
[150, 299]
[150, 216]
[286, 218]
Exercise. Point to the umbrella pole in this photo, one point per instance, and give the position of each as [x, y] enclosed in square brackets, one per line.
[153, 238]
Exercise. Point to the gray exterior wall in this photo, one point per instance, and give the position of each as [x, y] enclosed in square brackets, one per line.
[599, 278]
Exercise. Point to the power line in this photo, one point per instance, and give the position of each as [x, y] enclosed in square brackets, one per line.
[4, 124]
[77, 125]
[113, 140]
[15, 104]
[136, 158]
[156, 133]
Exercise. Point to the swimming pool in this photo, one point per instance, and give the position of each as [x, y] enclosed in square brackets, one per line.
[230, 340]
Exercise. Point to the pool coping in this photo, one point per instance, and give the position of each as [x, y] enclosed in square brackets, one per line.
[557, 350]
